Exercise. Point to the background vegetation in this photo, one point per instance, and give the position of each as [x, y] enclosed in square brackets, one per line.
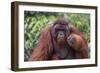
[35, 21]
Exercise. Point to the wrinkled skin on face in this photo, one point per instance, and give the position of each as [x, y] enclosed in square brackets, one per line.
[60, 33]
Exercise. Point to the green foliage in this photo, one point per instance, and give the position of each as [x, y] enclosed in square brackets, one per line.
[35, 21]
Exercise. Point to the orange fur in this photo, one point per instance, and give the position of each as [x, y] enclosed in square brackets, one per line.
[79, 45]
[44, 46]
